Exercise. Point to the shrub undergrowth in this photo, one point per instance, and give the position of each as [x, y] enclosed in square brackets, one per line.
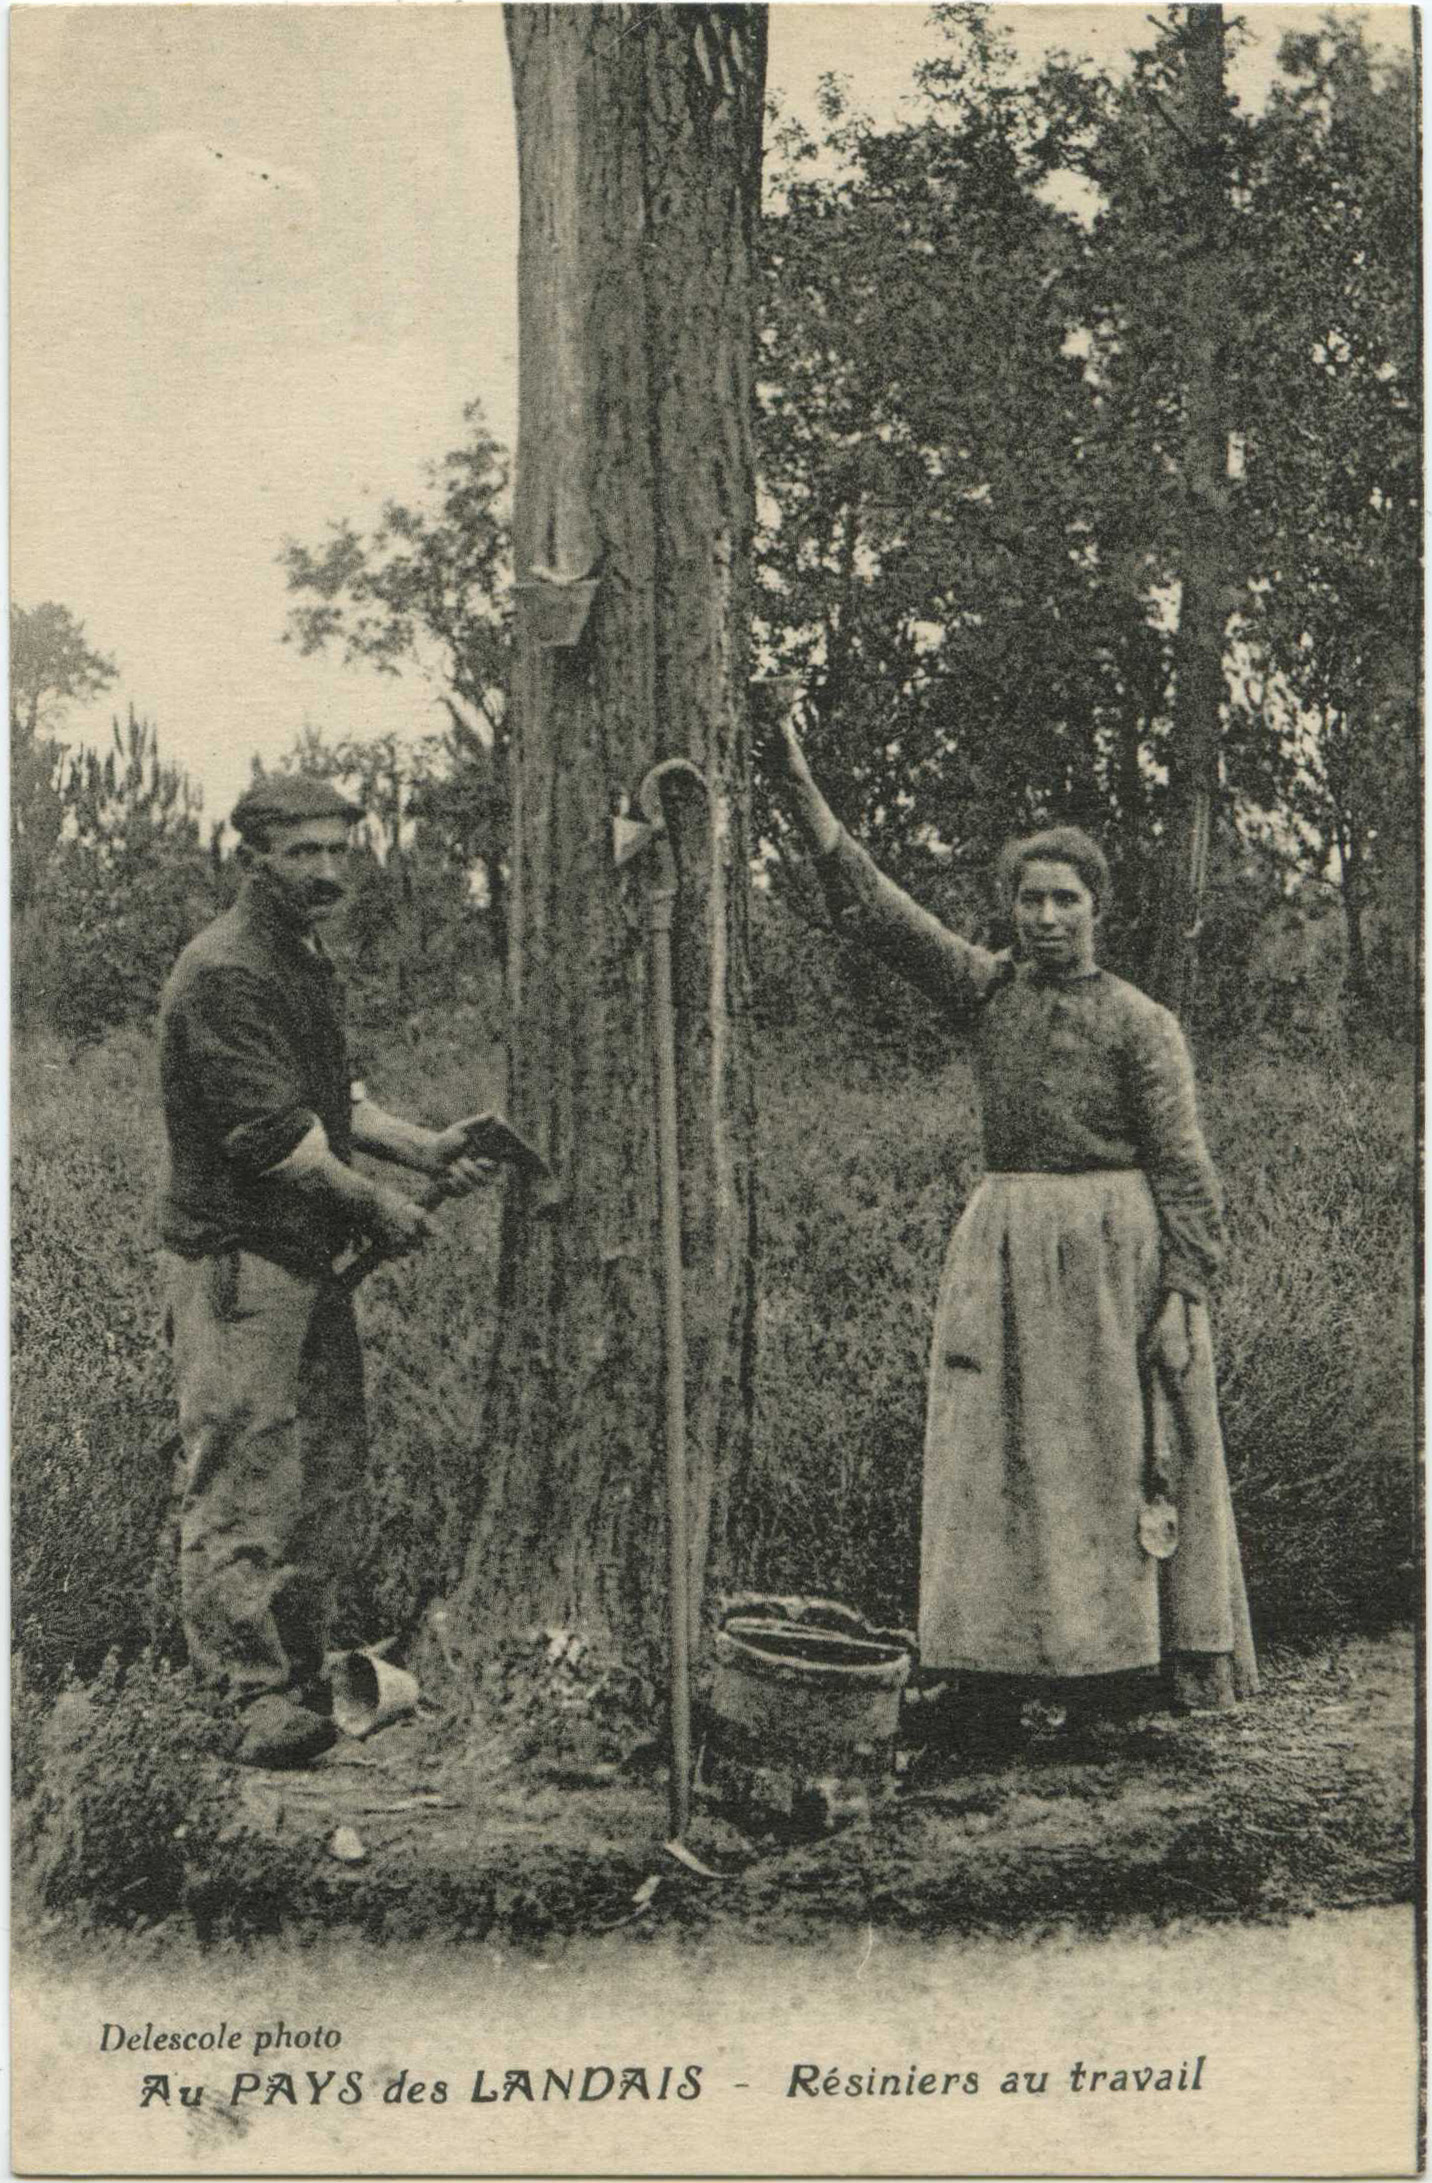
[868, 1147]
[122, 1799]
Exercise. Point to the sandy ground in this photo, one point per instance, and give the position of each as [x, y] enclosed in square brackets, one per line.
[1272, 2050]
[1297, 1802]
[1216, 1908]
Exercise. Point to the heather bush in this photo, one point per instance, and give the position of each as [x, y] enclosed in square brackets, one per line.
[1315, 1324]
[867, 1151]
[95, 950]
[427, 1324]
[91, 1420]
[861, 1182]
[125, 1797]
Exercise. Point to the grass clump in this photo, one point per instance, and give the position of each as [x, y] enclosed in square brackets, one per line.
[867, 1152]
[123, 1795]
[1315, 1323]
[91, 1420]
[864, 1170]
[92, 1407]
[861, 1184]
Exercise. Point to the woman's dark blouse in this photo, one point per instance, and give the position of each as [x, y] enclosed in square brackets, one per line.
[1074, 1072]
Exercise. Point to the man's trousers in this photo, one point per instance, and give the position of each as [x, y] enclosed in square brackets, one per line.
[270, 1385]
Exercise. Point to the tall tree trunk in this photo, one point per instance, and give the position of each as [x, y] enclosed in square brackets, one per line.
[495, 868]
[1136, 733]
[1354, 894]
[639, 139]
[1203, 613]
[1340, 743]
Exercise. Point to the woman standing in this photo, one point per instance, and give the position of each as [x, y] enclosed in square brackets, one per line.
[1072, 1446]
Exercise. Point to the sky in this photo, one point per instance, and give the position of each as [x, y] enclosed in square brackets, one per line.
[260, 258]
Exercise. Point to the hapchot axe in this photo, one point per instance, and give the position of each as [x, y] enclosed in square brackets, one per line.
[489, 1137]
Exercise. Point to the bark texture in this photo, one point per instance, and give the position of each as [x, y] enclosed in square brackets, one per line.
[1203, 613]
[639, 138]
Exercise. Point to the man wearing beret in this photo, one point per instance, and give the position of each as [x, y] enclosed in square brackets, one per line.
[259, 1196]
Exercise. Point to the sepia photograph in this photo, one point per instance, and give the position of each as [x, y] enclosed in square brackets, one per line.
[715, 957]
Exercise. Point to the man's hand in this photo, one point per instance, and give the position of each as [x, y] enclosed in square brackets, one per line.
[395, 1223]
[1168, 1343]
[453, 1165]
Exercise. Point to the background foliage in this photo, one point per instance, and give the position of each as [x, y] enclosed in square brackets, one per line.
[971, 435]
[974, 414]
[866, 1153]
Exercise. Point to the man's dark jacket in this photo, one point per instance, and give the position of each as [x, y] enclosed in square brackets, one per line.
[252, 1054]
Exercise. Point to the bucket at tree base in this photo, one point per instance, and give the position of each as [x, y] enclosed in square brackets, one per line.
[805, 1706]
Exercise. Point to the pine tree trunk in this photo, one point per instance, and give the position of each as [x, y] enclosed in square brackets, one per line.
[1352, 861]
[639, 137]
[1203, 612]
[496, 872]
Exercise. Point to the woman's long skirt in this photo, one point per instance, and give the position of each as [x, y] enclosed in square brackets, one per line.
[1046, 1437]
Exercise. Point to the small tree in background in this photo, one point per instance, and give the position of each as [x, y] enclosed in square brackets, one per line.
[108, 877]
[126, 884]
[427, 593]
[1036, 414]
[1209, 562]
[51, 667]
[1334, 481]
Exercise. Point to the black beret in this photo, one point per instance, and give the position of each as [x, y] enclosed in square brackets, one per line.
[278, 799]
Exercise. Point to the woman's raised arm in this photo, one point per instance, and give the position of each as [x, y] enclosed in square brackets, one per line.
[868, 907]
[812, 813]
